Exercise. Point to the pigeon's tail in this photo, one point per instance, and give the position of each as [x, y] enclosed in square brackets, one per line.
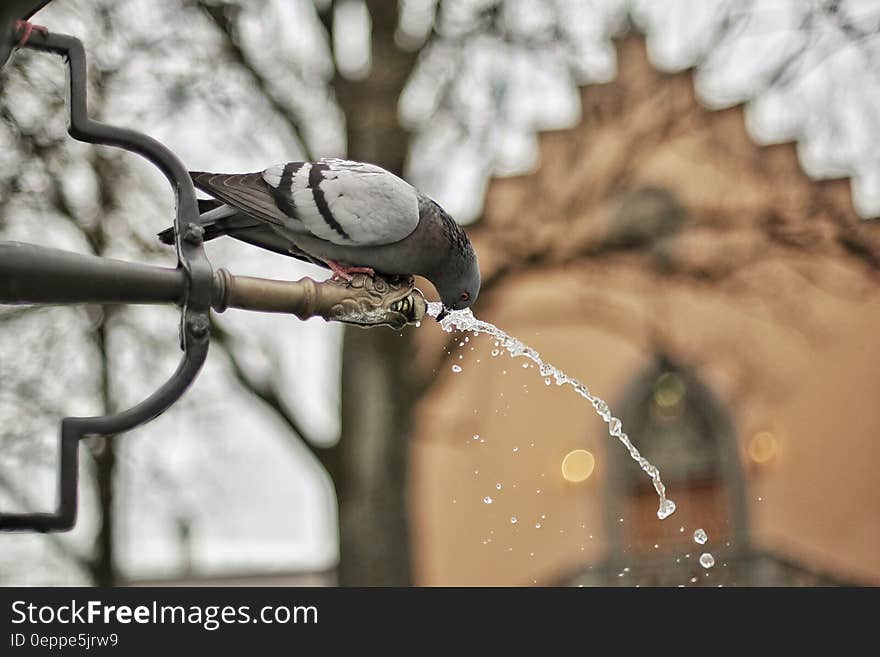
[218, 219]
[211, 231]
[213, 218]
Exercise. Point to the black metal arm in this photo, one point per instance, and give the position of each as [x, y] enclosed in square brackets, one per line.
[142, 284]
[31, 273]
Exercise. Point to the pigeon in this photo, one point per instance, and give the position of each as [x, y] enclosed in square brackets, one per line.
[350, 217]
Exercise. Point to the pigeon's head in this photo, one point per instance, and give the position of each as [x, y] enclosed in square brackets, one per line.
[454, 270]
[459, 285]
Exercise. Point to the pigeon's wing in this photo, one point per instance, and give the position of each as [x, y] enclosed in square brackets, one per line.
[249, 193]
[266, 237]
[346, 203]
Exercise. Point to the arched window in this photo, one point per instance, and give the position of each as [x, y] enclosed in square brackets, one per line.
[678, 424]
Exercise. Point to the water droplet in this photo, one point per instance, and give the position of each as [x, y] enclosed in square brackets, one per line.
[707, 560]
[700, 536]
[461, 344]
[495, 352]
[667, 508]
[537, 525]
[515, 450]
[512, 520]
[456, 369]
[525, 366]
[476, 436]
[693, 580]
[487, 500]
[498, 486]
[547, 381]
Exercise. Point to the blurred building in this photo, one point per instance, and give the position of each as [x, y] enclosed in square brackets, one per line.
[726, 307]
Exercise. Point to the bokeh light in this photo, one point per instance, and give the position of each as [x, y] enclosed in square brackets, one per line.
[763, 447]
[578, 465]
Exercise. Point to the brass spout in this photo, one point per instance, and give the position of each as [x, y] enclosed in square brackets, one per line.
[365, 301]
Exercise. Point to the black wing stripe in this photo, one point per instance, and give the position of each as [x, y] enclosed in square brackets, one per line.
[316, 175]
[283, 196]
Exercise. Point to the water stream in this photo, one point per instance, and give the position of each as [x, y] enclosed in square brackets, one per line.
[464, 320]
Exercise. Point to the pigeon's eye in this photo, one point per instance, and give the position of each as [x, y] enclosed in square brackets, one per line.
[465, 296]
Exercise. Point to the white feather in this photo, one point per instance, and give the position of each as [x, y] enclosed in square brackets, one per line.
[272, 175]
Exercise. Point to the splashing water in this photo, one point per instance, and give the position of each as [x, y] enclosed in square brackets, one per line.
[464, 320]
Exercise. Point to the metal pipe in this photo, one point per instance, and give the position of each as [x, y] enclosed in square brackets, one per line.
[38, 274]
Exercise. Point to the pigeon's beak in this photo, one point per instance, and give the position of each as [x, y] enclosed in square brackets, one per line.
[442, 314]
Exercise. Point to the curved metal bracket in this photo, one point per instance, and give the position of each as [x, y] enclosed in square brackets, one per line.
[195, 318]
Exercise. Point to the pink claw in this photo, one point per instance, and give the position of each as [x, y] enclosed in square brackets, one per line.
[27, 28]
[345, 273]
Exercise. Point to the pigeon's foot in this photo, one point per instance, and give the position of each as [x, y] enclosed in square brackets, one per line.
[26, 28]
[346, 273]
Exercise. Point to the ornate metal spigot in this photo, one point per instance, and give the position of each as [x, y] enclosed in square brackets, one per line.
[364, 301]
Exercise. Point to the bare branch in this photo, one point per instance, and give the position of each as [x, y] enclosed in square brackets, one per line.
[220, 16]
